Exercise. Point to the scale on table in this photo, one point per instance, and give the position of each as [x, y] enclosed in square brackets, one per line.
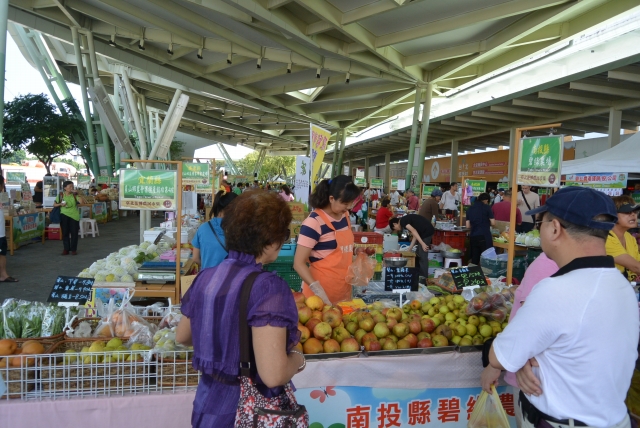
[157, 272]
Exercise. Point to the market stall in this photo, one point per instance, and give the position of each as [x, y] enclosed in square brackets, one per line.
[25, 229]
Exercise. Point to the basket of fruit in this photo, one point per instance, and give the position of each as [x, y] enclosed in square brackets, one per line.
[18, 364]
[174, 367]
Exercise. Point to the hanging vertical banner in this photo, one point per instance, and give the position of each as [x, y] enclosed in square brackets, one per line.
[319, 141]
[540, 161]
[303, 172]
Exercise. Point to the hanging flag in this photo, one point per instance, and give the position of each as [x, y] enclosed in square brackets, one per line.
[319, 141]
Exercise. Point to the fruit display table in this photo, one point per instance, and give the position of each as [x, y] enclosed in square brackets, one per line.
[436, 390]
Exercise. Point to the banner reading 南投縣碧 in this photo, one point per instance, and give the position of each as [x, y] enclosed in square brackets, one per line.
[540, 160]
[319, 141]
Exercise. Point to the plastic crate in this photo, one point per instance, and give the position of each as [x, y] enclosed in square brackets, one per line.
[54, 233]
[286, 254]
[368, 238]
[454, 239]
[286, 272]
[497, 268]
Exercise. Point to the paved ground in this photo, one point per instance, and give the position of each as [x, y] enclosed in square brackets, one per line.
[37, 266]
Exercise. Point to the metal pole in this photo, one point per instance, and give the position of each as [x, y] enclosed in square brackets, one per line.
[136, 116]
[426, 112]
[163, 129]
[4, 12]
[116, 104]
[336, 149]
[343, 139]
[145, 120]
[95, 72]
[414, 136]
[85, 102]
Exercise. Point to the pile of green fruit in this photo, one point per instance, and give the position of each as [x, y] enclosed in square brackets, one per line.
[100, 352]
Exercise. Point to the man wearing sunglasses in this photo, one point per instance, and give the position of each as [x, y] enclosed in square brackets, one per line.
[567, 376]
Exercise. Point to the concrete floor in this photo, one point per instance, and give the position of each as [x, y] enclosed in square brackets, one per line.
[37, 266]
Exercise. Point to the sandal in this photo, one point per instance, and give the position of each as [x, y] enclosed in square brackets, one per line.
[10, 279]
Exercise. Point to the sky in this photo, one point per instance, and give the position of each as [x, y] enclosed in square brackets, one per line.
[22, 79]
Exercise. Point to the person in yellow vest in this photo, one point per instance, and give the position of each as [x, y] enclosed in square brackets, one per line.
[620, 244]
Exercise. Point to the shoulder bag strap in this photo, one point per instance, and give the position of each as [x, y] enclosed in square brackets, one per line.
[525, 200]
[217, 237]
[247, 359]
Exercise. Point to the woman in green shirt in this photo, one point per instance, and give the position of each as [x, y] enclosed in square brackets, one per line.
[69, 218]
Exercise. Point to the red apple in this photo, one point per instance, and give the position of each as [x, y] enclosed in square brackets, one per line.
[304, 314]
[395, 313]
[400, 330]
[415, 327]
[372, 345]
[412, 339]
[368, 338]
[349, 345]
[312, 323]
[416, 305]
[298, 297]
[331, 346]
[322, 331]
[367, 324]
[332, 317]
[304, 333]
[391, 322]
[312, 346]
[427, 325]
[425, 343]
[317, 315]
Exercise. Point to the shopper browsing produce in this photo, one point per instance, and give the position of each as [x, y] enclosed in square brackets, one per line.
[413, 203]
[430, 207]
[620, 244]
[69, 218]
[286, 194]
[566, 377]
[394, 197]
[527, 201]
[502, 210]
[255, 225]
[209, 243]
[421, 231]
[326, 241]
[479, 220]
[383, 216]
[450, 200]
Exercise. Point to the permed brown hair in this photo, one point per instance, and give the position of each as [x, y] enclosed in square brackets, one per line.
[623, 200]
[255, 220]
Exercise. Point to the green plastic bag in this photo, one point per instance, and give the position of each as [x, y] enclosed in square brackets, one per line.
[488, 412]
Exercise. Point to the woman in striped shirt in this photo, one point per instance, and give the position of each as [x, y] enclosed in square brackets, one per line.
[326, 241]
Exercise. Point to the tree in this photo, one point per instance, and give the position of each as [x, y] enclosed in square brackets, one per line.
[33, 124]
[284, 166]
[16, 156]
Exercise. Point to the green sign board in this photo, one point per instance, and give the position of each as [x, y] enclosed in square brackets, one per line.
[540, 161]
[394, 183]
[359, 181]
[426, 189]
[542, 191]
[27, 227]
[103, 179]
[195, 173]
[206, 188]
[376, 183]
[16, 177]
[478, 186]
[84, 180]
[148, 189]
[598, 181]
[99, 212]
[636, 198]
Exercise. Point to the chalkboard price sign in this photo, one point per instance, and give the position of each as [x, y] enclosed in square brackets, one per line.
[69, 289]
[400, 278]
[468, 275]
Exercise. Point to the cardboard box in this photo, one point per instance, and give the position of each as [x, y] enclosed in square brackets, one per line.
[297, 210]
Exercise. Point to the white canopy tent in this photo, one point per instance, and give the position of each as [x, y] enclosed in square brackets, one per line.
[624, 157]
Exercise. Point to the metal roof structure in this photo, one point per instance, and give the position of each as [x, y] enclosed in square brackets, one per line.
[259, 71]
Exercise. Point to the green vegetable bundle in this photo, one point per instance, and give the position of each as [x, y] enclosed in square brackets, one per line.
[32, 321]
[53, 320]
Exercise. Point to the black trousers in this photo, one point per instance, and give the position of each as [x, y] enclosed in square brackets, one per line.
[70, 229]
[478, 245]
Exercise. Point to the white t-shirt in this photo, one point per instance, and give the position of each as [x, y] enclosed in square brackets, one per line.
[395, 198]
[2, 231]
[497, 199]
[448, 201]
[534, 202]
[582, 327]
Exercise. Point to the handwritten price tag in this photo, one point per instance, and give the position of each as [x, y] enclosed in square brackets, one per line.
[468, 275]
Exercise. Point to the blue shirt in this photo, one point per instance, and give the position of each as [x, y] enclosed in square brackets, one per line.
[211, 252]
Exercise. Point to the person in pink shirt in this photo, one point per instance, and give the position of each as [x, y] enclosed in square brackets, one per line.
[413, 203]
[541, 268]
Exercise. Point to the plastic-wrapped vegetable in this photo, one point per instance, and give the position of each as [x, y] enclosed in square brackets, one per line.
[126, 278]
[13, 313]
[53, 320]
[32, 321]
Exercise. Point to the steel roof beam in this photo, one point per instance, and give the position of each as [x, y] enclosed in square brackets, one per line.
[522, 111]
[629, 74]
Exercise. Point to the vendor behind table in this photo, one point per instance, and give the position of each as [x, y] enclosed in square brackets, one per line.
[450, 201]
[479, 220]
[421, 231]
[430, 207]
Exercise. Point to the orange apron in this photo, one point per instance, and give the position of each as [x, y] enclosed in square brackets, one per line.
[332, 271]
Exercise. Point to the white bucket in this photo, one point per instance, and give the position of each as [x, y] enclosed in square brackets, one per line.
[436, 261]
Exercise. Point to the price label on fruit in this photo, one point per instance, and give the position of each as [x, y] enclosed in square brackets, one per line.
[70, 289]
[400, 278]
[468, 275]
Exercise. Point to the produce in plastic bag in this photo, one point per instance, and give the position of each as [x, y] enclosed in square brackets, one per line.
[142, 334]
[488, 412]
[171, 319]
[492, 305]
[361, 270]
[443, 284]
[118, 322]
[167, 347]
[32, 321]
[12, 313]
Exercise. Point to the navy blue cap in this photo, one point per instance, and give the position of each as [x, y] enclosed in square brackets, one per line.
[579, 205]
[436, 192]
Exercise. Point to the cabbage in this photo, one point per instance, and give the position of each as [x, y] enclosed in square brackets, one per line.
[123, 251]
[119, 271]
[126, 278]
[100, 277]
[85, 275]
[151, 249]
[131, 267]
[145, 245]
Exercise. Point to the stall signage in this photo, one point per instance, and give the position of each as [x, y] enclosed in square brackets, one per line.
[103, 179]
[319, 140]
[364, 407]
[636, 198]
[148, 189]
[84, 180]
[540, 161]
[302, 179]
[394, 183]
[376, 183]
[195, 173]
[477, 186]
[16, 177]
[400, 278]
[360, 181]
[605, 181]
[99, 211]
[70, 289]
[427, 189]
[468, 275]
[27, 227]
[207, 188]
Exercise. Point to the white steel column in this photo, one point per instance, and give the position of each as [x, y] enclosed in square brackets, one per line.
[387, 172]
[454, 161]
[512, 161]
[142, 140]
[424, 131]
[615, 122]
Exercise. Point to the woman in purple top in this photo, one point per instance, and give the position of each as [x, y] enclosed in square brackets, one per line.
[255, 226]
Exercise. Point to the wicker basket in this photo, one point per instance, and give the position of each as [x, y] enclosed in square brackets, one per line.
[60, 373]
[18, 380]
[45, 341]
[171, 373]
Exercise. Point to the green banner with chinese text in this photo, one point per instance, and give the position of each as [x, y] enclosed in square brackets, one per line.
[376, 183]
[195, 174]
[148, 189]
[540, 161]
[16, 177]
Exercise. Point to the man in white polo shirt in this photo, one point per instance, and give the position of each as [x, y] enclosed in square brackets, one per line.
[450, 200]
[573, 345]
